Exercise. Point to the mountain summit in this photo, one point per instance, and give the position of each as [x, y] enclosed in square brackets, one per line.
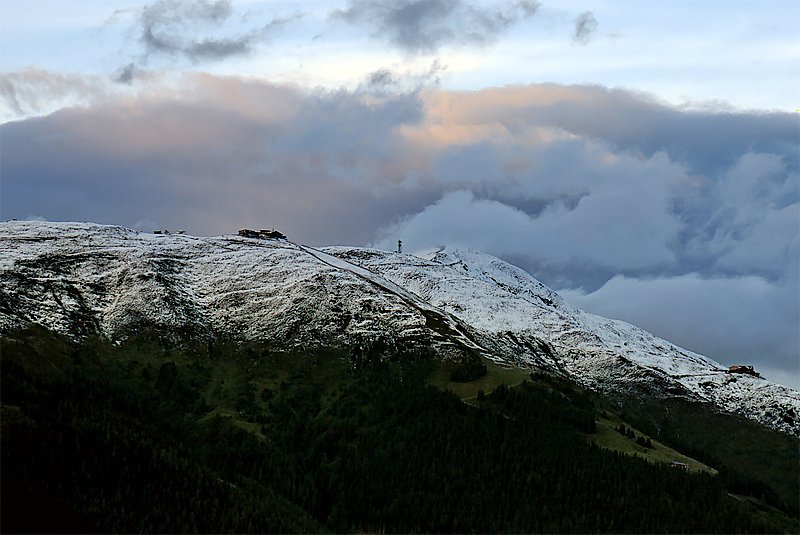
[82, 279]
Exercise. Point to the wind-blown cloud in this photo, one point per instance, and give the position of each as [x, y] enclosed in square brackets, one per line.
[126, 74]
[585, 28]
[423, 26]
[170, 27]
[600, 192]
[409, 81]
[34, 91]
[381, 78]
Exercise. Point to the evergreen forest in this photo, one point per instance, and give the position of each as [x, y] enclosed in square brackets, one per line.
[157, 437]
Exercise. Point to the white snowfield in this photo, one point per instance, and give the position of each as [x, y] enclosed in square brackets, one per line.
[80, 279]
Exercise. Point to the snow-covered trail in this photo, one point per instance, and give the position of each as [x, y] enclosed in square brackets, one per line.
[455, 328]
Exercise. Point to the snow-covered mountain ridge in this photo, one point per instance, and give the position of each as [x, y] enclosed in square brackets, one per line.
[80, 279]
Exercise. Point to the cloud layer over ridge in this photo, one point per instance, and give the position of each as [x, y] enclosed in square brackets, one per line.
[596, 191]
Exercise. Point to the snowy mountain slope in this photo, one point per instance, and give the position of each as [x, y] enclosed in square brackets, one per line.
[508, 305]
[452, 326]
[81, 279]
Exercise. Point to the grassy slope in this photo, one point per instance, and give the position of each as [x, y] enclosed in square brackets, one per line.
[606, 436]
[495, 376]
[609, 438]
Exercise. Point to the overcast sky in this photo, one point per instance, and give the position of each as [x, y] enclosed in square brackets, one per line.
[641, 158]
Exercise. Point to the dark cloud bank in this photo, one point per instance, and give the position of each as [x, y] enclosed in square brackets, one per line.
[685, 223]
